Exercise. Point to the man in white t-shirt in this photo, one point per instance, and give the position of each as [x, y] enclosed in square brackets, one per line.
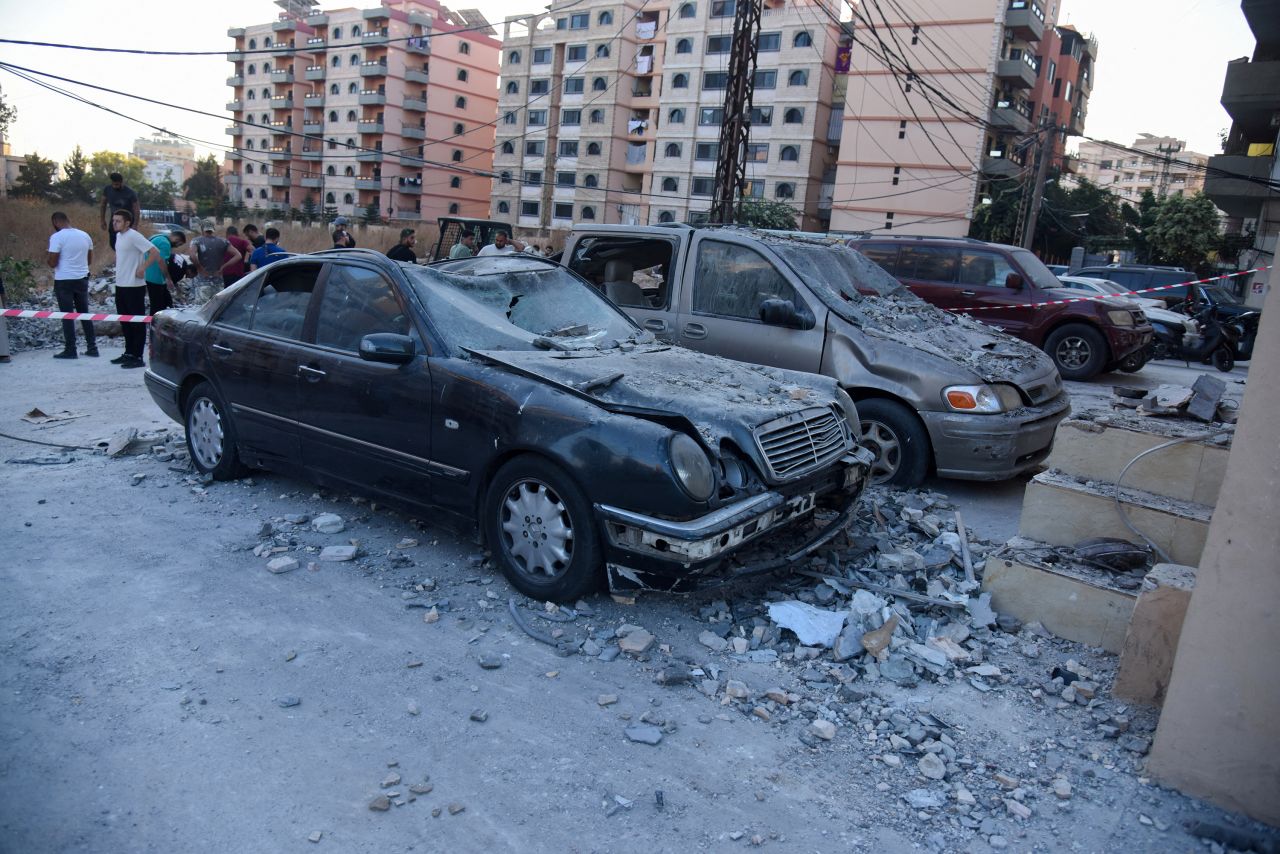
[70, 254]
[134, 254]
[502, 245]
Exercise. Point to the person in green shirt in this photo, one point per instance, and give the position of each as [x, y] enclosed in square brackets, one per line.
[465, 247]
[157, 279]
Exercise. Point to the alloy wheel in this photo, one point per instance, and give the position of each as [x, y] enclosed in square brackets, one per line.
[537, 528]
[884, 443]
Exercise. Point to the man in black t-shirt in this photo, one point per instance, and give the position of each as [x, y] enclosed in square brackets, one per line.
[117, 197]
[403, 251]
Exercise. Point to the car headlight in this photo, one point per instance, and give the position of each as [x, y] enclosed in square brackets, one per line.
[692, 468]
[986, 399]
[847, 406]
[1120, 317]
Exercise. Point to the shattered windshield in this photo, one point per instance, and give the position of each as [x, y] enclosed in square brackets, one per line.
[516, 303]
[838, 267]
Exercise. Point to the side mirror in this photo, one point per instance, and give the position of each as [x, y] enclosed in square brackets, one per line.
[388, 347]
[782, 312]
[1013, 281]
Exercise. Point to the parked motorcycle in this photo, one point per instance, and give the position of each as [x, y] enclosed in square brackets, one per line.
[1215, 342]
[1246, 325]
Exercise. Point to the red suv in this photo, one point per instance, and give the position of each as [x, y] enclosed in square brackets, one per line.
[1008, 287]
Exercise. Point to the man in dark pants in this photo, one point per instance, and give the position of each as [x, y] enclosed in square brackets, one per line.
[70, 254]
[134, 255]
[116, 196]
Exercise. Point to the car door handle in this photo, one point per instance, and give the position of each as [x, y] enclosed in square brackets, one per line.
[969, 293]
[655, 325]
[695, 330]
[312, 374]
[222, 349]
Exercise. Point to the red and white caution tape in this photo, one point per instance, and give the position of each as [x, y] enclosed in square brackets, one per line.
[76, 315]
[1108, 296]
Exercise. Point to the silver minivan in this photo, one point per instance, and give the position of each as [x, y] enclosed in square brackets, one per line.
[935, 391]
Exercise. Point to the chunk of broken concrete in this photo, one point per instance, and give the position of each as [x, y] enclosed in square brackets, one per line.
[823, 729]
[643, 734]
[636, 642]
[328, 523]
[813, 626]
[284, 563]
[338, 553]
[980, 612]
[877, 640]
[713, 641]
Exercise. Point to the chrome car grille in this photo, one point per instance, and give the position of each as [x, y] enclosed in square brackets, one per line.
[803, 442]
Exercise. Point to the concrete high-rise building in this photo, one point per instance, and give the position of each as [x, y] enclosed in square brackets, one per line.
[1062, 89]
[346, 114]
[1129, 174]
[919, 151]
[610, 111]
[168, 157]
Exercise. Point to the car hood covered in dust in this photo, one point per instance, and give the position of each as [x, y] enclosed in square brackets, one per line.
[719, 397]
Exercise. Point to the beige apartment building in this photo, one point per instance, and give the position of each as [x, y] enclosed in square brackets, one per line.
[610, 111]
[919, 154]
[346, 116]
[1129, 175]
[168, 157]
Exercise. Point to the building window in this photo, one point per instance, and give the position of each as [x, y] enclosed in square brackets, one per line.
[670, 185]
[605, 19]
[504, 208]
[333, 115]
[602, 51]
[579, 21]
[723, 8]
[719, 44]
[574, 85]
[248, 168]
[337, 33]
[464, 48]
[562, 210]
[672, 150]
[355, 31]
[351, 115]
[566, 179]
[348, 199]
[676, 116]
[789, 153]
[504, 177]
[336, 62]
[354, 60]
[711, 116]
[535, 148]
[513, 58]
[597, 117]
[541, 55]
[568, 148]
[684, 46]
[805, 39]
[453, 208]
[599, 84]
[330, 198]
[575, 53]
[353, 88]
[799, 77]
[529, 208]
[715, 79]
[331, 171]
[588, 212]
[333, 89]
[459, 128]
[703, 186]
[532, 178]
[757, 152]
[766, 79]
[666, 216]
[508, 118]
[540, 86]
[784, 190]
[680, 81]
[508, 148]
[769, 42]
[688, 10]
[266, 42]
[460, 102]
[571, 117]
[706, 151]
[591, 181]
[593, 149]
[761, 116]
[462, 75]
[537, 118]
[793, 116]
[455, 183]
[253, 69]
[755, 189]
[456, 157]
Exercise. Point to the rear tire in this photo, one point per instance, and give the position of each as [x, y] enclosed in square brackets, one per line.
[897, 438]
[211, 435]
[1078, 351]
[541, 531]
[1224, 360]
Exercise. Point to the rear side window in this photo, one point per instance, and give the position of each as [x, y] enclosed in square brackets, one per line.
[732, 281]
[357, 302]
[239, 311]
[928, 263]
[885, 256]
[987, 269]
[283, 301]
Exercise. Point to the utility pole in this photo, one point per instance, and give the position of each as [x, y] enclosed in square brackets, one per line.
[735, 127]
[1168, 152]
[1047, 132]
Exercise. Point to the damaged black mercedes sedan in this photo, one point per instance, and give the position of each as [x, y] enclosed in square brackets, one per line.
[505, 392]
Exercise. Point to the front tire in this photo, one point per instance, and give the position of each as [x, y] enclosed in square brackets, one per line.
[1133, 362]
[1224, 360]
[897, 438]
[1078, 351]
[211, 435]
[541, 532]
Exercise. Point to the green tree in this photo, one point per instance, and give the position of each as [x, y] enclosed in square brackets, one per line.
[74, 186]
[205, 184]
[997, 220]
[103, 163]
[372, 213]
[1085, 214]
[157, 197]
[35, 177]
[766, 213]
[309, 210]
[8, 114]
[1185, 231]
[1138, 222]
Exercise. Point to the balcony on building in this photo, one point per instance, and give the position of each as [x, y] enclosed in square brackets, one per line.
[374, 68]
[377, 13]
[235, 56]
[279, 180]
[997, 164]
[368, 183]
[637, 154]
[371, 126]
[410, 160]
[415, 75]
[419, 44]
[413, 132]
[235, 106]
[1069, 164]
[1025, 19]
[234, 155]
[1075, 122]
[234, 130]
[314, 72]
[372, 96]
[282, 102]
[235, 33]
[1251, 91]
[420, 19]
[312, 126]
[1020, 73]
[280, 152]
[282, 75]
[236, 80]
[1240, 197]
[313, 100]
[315, 153]
[417, 105]
[409, 185]
[317, 44]
[319, 19]
[374, 37]
[646, 26]
[369, 156]
[1012, 114]
[313, 181]
[283, 25]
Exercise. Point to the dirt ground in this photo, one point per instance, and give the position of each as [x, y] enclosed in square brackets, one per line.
[161, 690]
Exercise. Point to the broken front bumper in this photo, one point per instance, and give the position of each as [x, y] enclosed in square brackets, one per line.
[646, 552]
[994, 447]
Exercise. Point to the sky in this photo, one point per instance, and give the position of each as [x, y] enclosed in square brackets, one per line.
[1160, 68]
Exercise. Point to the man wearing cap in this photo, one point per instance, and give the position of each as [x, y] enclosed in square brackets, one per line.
[403, 251]
[213, 256]
[465, 247]
[342, 238]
